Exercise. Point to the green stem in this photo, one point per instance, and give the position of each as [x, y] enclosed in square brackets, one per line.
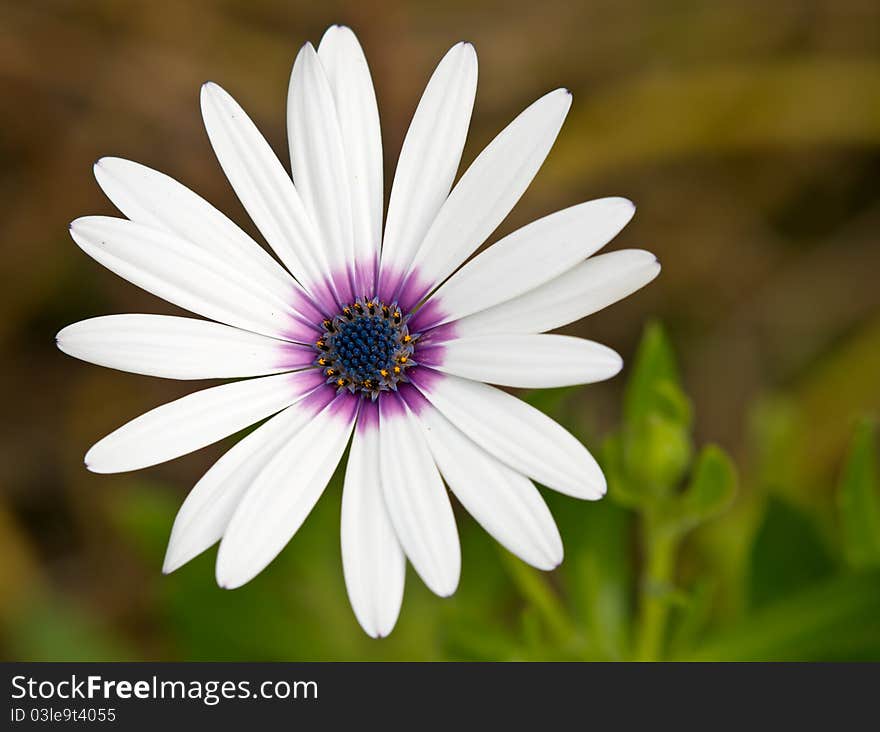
[661, 547]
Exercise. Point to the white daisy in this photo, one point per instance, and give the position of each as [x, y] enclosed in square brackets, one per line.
[362, 332]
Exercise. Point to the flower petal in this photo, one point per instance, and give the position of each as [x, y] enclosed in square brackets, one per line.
[428, 161]
[206, 512]
[416, 498]
[527, 361]
[284, 493]
[372, 559]
[197, 420]
[505, 503]
[184, 274]
[516, 433]
[349, 78]
[318, 165]
[179, 348]
[583, 290]
[265, 189]
[154, 199]
[487, 192]
[529, 257]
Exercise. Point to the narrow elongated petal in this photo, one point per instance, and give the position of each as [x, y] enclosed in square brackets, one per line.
[583, 290]
[372, 559]
[530, 256]
[504, 502]
[516, 433]
[284, 493]
[528, 361]
[197, 420]
[179, 348]
[318, 164]
[428, 161]
[488, 190]
[184, 274]
[349, 77]
[416, 499]
[149, 197]
[264, 188]
[206, 512]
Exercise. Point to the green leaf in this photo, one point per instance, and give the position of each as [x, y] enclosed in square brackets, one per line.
[653, 380]
[858, 500]
[709, 492]
[834, 620]
[787, 554]
[655, 440]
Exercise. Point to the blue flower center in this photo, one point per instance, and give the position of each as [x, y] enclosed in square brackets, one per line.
[366, 348]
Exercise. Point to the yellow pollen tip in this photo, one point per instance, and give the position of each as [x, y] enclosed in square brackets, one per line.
[402, 359]
[407, 338]
[397, 369]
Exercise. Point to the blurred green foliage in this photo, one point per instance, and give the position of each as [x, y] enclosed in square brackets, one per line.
[858, 500]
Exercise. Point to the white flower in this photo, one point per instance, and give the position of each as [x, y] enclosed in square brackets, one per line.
[365, 332]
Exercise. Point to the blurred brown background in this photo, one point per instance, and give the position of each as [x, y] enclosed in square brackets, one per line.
[748, 134]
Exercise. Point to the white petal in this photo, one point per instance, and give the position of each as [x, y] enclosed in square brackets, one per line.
[264, 187]
[206, 512]
[196, 420]
[318, 164]
[516, 433]
[184, 274]
[179, 348]
[416, 499]
[528, 361]
[283, 494]
[358, 113]
[372, 559]
[149, 197]
[489, 189]
[429, 159]
[504, 502]
[531, 256]
[583, 290]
